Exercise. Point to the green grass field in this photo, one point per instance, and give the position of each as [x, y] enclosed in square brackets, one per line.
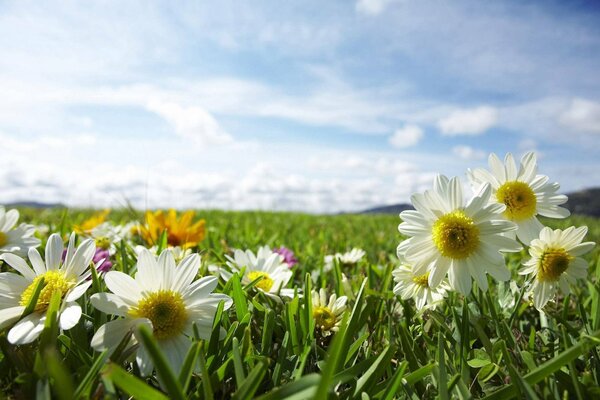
[488, 345]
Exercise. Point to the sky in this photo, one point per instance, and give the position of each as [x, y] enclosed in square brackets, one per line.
[283, 105]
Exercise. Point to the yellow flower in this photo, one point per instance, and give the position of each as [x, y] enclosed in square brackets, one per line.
[92, 222]
[180, 232]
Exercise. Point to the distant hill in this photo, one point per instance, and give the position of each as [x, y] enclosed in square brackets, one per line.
[34, 204]
[583, 202]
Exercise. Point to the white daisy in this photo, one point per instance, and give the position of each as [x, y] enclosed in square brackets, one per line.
[463, 241]
[17, 240]
[555, 262]
[178, 252]
[163, 296]
[70, 277]
[267, 265]
[327, 312]
[352, 257]
[349, 258]
[107, 236]
[524, 193]
[412, 286]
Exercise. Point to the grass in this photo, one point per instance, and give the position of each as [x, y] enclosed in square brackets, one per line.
[488, 345]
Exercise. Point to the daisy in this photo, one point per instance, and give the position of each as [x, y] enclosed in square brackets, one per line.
[69, 277]
[352, 257]
[412, 286]
[178, 252]
[555, 262]
[107, 236]
[524, 193]
[448, 237]
[180, 231]
[347, 259]
[162, 296]
[327, 313]
[274, 274]
[17, 240]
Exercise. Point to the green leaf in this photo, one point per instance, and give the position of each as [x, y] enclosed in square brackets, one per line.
[84, 387]
[549, 367]
[334, 357]
[131, 385]
[252, 382]
[164, 371]
[487, 372]
[34, 298]
[303, 388]
[481, 359]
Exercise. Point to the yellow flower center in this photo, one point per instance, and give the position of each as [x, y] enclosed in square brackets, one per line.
[266, 283]
[422, 280]
[166, 310]
[553, 263]
[3, 239]
[53, 281]
[455, 235]
[324, 318]
[103, 242]
[519, 199]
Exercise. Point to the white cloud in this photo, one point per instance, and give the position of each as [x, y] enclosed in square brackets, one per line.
[192, 123]
[582, 115]
[407, 136]
[372, 7]
[473, 121]
[468, 153]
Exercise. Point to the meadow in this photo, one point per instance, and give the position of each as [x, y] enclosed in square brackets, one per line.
[489, 344]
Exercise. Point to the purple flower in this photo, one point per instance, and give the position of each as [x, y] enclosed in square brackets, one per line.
[98, 256]
[288, 256]
[102, 254]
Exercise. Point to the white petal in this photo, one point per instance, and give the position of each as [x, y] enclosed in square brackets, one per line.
[210, 302]
[528, 168]
[81, 259]
[110, 335]
[438, 271]
[36, 261]
[459, 278]
[510, 167]
[166, 263]
[542, 295]
[70, 250]
[111, 304]
[529, 230]
[54, 250]
[185, 272]
[503, 243]
[149, 275]
[28, 329]
[78, 291]
[19, 265]
[144, 361]
[70, 316]
[176, 350]
[497, 167]
[12, 285]
[10, 220]
[581, 248]
[123, 286]
[201, 288]
[10, 315]
[554, 212]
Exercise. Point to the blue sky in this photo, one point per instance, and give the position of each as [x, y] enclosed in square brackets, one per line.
[313, 106]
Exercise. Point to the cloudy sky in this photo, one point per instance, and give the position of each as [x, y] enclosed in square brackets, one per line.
[318, 106]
